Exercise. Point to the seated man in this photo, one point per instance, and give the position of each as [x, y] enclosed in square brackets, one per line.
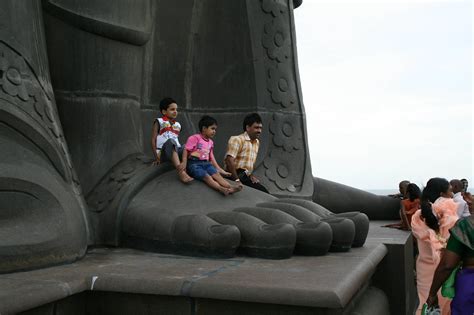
[463, 207]
[402, 187]
[468, 198]
[242, 151]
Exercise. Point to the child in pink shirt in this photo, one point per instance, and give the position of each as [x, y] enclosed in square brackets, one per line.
[198, 158]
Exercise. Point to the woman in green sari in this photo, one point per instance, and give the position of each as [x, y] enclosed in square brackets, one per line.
[460, 248]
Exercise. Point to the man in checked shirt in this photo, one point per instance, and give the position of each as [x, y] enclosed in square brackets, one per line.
[242, 152]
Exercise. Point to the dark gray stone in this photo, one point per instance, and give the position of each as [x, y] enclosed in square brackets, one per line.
[43, 216]
[107, 67]
[71, 305]
[137, 304]
[340, 198]
[80, 83]
[361, 221]
[398, 283]
[343, 230]
[373, 302]
[335, 283]
[312, 238]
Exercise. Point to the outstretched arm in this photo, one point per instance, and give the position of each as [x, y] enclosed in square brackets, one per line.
[234, 146]
[217, 166]
[449, 261]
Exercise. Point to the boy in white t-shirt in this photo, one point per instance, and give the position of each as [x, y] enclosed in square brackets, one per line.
[164, 139]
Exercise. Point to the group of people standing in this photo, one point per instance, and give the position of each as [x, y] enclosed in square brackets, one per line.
[195, 160]
[442, 222]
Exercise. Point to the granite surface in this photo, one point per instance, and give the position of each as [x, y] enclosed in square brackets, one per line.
[327, 282]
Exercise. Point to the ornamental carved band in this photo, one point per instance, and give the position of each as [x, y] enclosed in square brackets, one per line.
[285, 163]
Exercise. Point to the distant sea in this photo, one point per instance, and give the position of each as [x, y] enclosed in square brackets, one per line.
[386, 192]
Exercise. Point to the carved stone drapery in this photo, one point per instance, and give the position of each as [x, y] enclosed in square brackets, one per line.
[284, 164]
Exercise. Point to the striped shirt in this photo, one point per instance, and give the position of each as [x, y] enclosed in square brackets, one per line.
[243, 150]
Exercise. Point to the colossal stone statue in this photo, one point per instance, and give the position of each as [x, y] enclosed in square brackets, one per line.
[80, 83]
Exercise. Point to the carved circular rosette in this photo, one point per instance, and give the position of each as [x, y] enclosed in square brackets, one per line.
[282, 168]
[279, 86]
[284, 165]
[274, 7]
[18, 81]
[286, 132]
[277, 40]
[14, 75]
[108, 188]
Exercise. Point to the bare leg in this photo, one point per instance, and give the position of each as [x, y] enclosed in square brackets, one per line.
[183, 176]
[215, 185]
[175, 159]
[221, 181]
[218, 178]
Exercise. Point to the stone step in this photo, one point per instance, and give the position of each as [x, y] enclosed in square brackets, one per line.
[334, 282]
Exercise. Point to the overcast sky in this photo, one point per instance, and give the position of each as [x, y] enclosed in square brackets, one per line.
[387, 88]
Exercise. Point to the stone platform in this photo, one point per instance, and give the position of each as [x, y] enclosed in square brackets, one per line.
[371, 279]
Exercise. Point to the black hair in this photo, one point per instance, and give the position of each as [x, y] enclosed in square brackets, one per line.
[251, 119]
[206, 121]
[432, 191]
[165, 103]
[413, 191]
[465, 184]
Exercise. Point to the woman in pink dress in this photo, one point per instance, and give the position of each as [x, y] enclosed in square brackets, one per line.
[430, 226]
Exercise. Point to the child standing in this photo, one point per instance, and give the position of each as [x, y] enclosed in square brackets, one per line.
[199, 159]
[164, 139]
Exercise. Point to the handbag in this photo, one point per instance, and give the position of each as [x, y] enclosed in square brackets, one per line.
[433, 310]
[447, 290]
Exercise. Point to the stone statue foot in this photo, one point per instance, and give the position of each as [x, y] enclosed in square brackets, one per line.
[312, 238]
[195, 235]
[361, 221]
[343, 230]
[202, 235]
[274, 241]
[167, 216]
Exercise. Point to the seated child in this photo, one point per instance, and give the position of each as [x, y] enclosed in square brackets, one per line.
[164, 139]
[409, 206]
[199, 159]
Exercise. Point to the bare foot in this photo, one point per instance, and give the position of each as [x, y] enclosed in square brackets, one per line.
[235, 189]
[225, 191]
[184, 177]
